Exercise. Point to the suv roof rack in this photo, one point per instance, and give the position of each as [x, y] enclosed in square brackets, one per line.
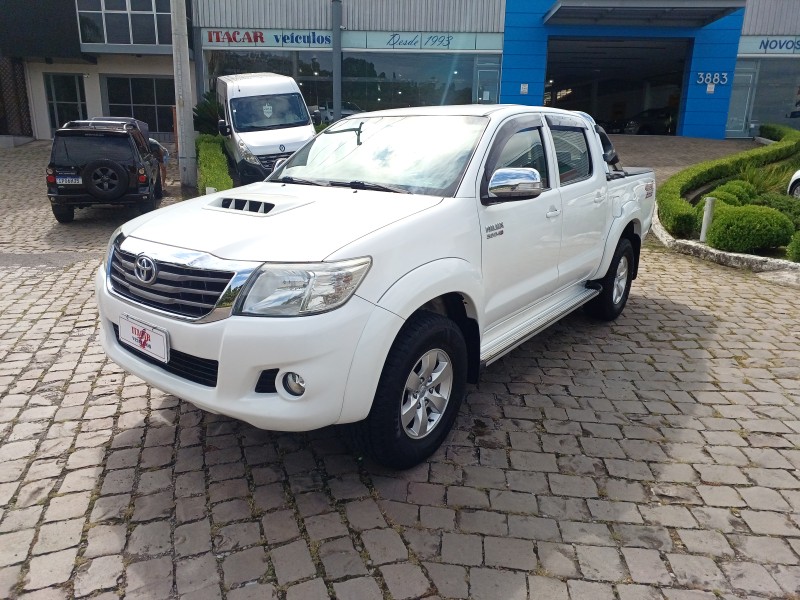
[99, 125]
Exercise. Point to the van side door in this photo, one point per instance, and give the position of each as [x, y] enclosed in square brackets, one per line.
[520, 238]
[584, 198]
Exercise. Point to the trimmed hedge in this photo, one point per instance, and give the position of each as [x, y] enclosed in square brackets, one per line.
[793, 249]
[212, 164]
[678, 216]
[749, 229]
[743, 190]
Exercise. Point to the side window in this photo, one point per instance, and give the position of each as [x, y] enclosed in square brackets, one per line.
[524, 149]
[572, 153]
[143, 147]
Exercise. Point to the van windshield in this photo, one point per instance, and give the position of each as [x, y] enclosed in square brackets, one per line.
[275, 111]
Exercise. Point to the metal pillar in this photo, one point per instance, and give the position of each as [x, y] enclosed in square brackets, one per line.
[336, 45]
[187, 157]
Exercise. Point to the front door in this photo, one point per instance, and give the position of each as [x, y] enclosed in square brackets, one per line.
[738, 125]
[66, 98]
[521, 238]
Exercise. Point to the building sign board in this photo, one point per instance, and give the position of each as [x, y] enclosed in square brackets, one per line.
[415, 41]
[757, 44]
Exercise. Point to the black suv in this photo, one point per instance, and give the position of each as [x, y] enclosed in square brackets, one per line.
[102, 162]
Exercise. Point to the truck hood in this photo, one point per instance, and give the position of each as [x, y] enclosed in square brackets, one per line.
[269, 141]
[294, 223]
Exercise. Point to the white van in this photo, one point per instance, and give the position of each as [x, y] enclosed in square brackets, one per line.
[263, 118]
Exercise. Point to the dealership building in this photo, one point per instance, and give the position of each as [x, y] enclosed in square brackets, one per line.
[716, 68]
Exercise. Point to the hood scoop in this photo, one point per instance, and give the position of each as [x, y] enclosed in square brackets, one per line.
[243, 205]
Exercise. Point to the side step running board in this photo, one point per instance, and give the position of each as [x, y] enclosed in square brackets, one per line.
[527, 330]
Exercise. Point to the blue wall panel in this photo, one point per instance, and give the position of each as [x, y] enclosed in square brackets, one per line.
[704, 110]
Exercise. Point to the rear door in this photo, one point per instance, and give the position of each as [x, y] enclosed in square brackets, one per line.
[584, 198]
[520, 238]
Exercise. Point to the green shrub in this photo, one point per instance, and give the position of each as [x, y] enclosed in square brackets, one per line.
[728, 197]
[212, 164]
[793, 249]
[206, 113]
[678, 216]
[782, 202]
[743, 190]
[749, 229]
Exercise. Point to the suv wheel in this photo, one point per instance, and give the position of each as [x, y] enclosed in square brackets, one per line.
[159, 189]
[105, 179]
[63, 214]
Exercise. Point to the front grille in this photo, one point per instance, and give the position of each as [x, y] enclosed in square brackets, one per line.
[184, 291]
[268, 160]
[196, 369]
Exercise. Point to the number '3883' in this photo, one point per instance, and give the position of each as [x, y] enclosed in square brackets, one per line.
[706, 77]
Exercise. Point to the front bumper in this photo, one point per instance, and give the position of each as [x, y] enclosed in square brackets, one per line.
[321, 348]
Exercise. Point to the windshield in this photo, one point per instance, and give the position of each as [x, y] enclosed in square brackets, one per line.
[80, 149]
[421, 154]
[258, 113]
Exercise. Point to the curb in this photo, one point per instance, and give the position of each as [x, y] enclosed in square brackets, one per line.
[775, 269]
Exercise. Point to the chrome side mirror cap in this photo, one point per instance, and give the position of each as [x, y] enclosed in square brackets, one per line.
[515, 184]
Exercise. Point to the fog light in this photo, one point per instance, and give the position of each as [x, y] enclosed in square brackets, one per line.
[294, 384]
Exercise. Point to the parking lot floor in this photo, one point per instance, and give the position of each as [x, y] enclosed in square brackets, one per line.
[655, 457]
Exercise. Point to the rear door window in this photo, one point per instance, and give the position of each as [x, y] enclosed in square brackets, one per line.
[81, 149]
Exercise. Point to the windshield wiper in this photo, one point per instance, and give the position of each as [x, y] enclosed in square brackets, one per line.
[366, 185]
[298, 181]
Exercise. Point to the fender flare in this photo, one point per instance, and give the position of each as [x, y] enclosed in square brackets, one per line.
[630, 217]
[395, 306]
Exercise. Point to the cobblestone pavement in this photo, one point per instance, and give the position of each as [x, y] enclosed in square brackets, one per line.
[652, 458]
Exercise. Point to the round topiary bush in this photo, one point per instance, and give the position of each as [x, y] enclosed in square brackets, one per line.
[743, 190]
[793, 249]
[727, 196]
[782, 202]
[749, 228]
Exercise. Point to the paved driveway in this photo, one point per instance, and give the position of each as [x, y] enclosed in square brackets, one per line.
[655, 457]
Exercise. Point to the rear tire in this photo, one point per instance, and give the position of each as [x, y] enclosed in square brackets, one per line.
[419, 393]
[159, 188]
[63, 214]
[616, 284]
[795, 191]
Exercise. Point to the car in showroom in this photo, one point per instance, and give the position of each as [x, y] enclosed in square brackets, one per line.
[106, 162]
[653, 121]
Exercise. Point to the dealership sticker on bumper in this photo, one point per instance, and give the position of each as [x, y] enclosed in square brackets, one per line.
[144, 337]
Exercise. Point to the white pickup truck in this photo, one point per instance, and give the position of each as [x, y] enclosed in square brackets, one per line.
[377, 270]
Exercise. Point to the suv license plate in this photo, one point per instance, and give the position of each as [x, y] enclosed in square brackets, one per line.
[144, 337]
[68, 181]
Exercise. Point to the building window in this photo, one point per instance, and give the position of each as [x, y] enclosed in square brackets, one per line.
[148, 99]
[66, 98]
[125, 22]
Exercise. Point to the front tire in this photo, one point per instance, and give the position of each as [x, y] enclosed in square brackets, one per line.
[795, 191]
[419, 393]
[608, 305]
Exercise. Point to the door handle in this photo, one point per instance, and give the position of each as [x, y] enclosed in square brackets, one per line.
[553, 212]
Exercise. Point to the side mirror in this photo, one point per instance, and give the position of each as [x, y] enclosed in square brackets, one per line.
[609, 153]
[515, 184]
[316, 117]
[224, 128]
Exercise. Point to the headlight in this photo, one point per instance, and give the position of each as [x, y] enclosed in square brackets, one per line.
[246, 154]
[290, 290]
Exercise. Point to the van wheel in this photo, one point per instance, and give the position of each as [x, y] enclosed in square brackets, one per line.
[63, 214]
[419, 393]
[608, 305]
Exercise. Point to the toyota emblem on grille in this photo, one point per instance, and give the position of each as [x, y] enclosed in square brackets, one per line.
[145, 269]
[282, 148]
